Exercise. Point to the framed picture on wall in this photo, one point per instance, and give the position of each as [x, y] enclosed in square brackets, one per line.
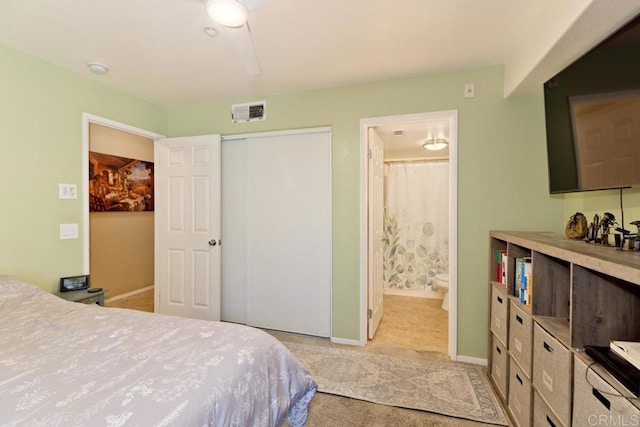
[119, 184]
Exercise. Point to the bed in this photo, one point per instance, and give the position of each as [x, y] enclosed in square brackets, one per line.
[71, 364]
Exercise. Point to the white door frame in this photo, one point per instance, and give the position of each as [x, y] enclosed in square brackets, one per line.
[88, 118]
[452, 116]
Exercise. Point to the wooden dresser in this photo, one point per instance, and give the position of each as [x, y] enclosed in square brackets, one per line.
[580, 294]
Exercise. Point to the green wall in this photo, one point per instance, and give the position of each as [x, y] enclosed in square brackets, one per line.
[41, 107]
[502, 181]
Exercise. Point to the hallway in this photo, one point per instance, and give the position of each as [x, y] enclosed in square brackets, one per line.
[142, 302]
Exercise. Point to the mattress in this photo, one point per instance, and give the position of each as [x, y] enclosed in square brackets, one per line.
[72, 364]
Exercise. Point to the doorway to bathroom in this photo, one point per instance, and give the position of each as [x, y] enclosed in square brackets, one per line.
[410, 220]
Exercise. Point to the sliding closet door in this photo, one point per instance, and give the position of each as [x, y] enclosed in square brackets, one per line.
[285, 201]
[234, 231]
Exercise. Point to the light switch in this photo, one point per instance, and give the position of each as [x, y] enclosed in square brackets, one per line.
[68, 231]
[67, 191]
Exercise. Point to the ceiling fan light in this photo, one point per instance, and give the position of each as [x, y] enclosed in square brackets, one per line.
[228, 13]
[435, 144]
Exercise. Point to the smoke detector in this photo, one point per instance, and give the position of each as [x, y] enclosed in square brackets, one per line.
[97, 67]
[210, 31]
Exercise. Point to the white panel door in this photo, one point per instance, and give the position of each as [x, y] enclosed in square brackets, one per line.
[375, 218]
[188, 226]
[289, 232]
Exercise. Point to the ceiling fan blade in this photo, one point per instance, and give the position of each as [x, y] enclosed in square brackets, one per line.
[241, 38]
[252, 4]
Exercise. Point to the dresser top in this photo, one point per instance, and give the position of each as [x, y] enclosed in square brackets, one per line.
[622, 264]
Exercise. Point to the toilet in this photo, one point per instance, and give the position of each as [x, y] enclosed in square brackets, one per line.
[442, 283]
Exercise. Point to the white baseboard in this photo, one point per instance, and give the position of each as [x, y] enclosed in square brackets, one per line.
[474, 360]
[129, 294]
[346, 341]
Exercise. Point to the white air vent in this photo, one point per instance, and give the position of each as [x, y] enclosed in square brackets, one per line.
[249, 112]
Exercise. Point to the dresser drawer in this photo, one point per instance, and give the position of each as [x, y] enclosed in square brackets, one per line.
[543, 416]
[500, 367]
[552, 373]
[595, 401]
[520, 337]
[520, 394]
[499, 312]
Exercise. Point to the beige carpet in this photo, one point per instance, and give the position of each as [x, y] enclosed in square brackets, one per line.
[328, 410]
[453, 389]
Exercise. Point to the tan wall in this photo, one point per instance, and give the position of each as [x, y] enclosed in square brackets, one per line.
[121, 243]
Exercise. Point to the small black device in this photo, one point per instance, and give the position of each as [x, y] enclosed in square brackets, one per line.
[74, 283]
[93, 290]
[623, 371]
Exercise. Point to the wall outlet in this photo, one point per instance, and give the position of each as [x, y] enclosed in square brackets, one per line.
[469, 90]
[67, 191]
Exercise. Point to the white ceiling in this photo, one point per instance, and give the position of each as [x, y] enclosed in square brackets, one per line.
[158, 50]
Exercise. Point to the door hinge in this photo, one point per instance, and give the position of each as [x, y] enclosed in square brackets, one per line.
[370, 155]
[369, 313]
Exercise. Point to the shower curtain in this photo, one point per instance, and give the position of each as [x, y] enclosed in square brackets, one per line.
[416, 224]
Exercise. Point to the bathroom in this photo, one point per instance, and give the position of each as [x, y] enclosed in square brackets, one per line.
[416, 234]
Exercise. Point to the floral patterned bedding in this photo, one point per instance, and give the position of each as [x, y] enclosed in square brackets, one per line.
[71, 364]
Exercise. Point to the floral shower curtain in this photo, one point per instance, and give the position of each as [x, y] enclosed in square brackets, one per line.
[416, 224]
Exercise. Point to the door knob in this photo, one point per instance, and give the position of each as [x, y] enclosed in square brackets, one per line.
[212, 242]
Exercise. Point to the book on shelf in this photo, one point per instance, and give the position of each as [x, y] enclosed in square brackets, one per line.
[501, 267]
[524, 280]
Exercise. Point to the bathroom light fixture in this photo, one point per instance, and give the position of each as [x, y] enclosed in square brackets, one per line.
[97, 68]
[228, 13]
[435, 144]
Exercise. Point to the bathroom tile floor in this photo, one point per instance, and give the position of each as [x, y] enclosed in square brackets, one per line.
[416, 323]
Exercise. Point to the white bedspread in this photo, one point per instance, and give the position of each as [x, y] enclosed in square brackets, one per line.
[71, 364]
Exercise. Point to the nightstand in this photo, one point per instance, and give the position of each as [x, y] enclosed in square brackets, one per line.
[84, 296]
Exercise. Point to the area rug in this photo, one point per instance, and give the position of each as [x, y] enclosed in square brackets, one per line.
[457, 390]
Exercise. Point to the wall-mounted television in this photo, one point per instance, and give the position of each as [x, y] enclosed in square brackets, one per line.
[592, 113]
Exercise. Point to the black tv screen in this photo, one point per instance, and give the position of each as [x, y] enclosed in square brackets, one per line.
[592, 112]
